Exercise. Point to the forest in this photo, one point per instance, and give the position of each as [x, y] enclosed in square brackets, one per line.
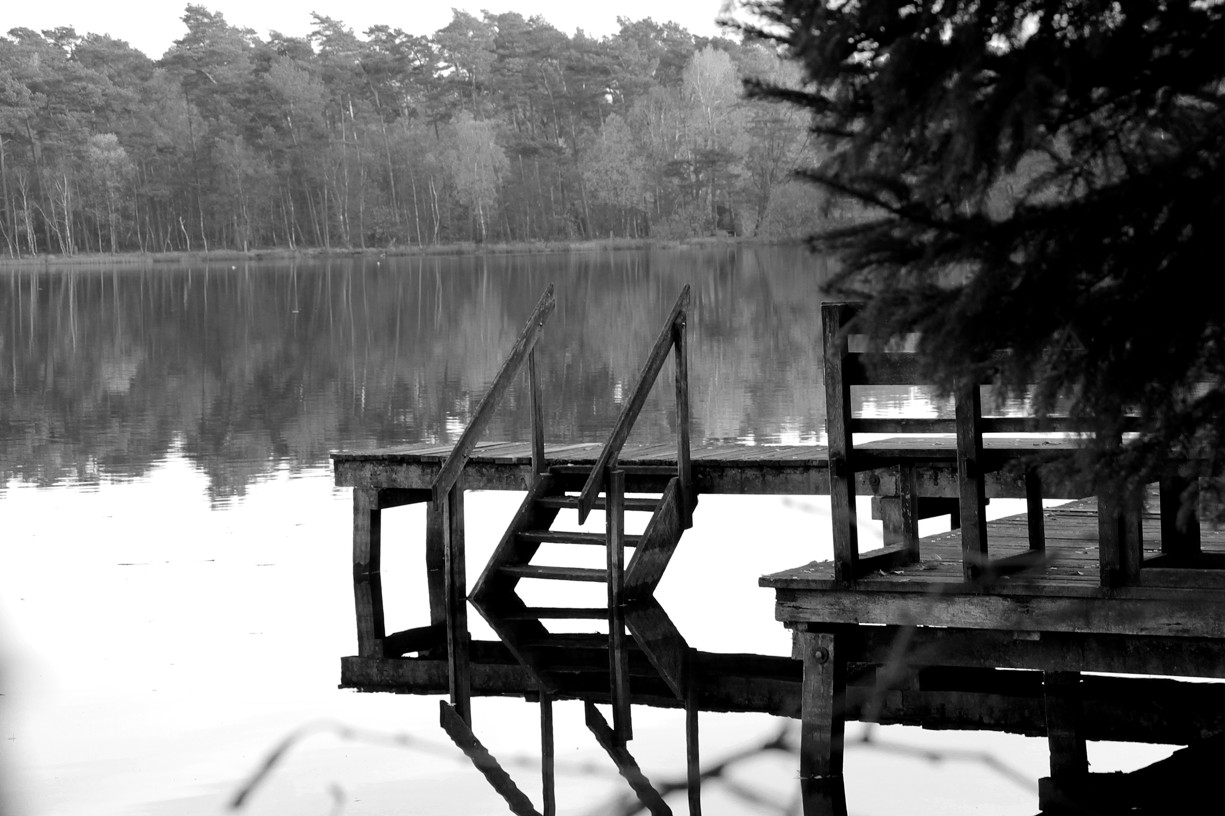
[493, 129]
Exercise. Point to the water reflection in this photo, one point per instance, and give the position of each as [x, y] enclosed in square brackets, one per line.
[249, 367]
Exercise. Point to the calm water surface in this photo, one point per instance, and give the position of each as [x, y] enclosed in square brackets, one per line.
[173, 568]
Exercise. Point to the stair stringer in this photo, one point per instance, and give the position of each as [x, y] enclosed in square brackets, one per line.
[661, 641]
[510, 550]
[516, 633]
[658, 543]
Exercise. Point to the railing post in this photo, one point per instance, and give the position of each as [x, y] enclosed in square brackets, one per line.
[367, 586]
[839, 441]
[684, 470]
[970, 480]
[537, 398]
[459, 678]
[618, 656]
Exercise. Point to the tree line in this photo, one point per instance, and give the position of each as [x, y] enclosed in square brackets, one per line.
[495, 128]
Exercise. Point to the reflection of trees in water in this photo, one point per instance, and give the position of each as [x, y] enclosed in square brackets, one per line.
[247, 369]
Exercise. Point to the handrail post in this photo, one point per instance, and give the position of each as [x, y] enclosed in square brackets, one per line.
[618, 656]
[684, 469]
[537, 401]
[459, 678]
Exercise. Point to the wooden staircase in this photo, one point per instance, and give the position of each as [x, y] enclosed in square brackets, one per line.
[566, 663]
[641, 654]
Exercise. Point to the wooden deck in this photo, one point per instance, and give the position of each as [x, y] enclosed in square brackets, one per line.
[1059, 593]
[726, 467]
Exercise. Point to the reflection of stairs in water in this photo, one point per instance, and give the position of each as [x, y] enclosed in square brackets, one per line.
[652, 655]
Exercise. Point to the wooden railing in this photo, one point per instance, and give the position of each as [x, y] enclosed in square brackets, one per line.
[522, 352]
[1119, 529]
[447, 504]
[672, 336]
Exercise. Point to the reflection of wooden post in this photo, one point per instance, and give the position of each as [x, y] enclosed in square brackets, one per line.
[547, 773]
[1065, 737]
[692, 753]
[822, 725]
[459, 678]
[627, 766]
[367, 589]
[618, 654]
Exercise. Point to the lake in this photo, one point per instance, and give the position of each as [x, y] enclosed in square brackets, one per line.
[175, 588]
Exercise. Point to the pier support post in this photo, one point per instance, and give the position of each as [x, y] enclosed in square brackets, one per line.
[367, 586]
[823, 720]
[436, 562]
[459, 678]
[1066, 739]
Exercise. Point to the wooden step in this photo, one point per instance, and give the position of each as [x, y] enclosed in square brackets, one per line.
[554, 573]
[572, 662]
[570, 537]
[571, 640]
[638, 478]
[635, 503]
[558, 613]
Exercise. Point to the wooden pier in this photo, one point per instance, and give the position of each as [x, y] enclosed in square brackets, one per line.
[941, 632]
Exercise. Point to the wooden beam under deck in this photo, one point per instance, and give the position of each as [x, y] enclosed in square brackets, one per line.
[1128, 709]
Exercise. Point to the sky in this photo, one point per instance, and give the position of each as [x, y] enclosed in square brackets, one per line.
[152, 25]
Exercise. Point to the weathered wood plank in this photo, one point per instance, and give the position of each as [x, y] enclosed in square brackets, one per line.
[627, 766]
[1182, 617]
[555, 573]
[457, 728]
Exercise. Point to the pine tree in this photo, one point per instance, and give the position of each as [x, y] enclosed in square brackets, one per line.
[1046, 176]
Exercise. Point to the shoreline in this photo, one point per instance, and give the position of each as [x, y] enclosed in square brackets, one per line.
[136, 258]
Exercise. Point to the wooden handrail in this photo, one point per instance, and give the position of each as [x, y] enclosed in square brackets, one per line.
[672, 330]
[511, 367]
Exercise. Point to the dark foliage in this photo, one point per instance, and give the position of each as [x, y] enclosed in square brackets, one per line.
[1048, 177]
